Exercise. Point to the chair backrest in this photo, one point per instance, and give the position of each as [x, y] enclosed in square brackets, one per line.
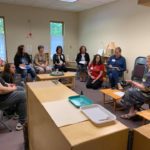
[139, 68]
[140, 60]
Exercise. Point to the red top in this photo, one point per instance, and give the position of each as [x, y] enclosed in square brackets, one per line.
[96, 69]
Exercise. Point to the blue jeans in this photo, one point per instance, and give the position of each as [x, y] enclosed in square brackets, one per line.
[61, 68]
[17, 98]
[114, 77]
[24, 73]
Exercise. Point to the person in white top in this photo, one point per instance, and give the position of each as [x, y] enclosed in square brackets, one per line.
[82, 60]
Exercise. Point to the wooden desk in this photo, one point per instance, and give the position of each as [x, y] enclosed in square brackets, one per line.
[67, 75]
[110, 92]
[142, 138]
[145, 114]
[45, 135]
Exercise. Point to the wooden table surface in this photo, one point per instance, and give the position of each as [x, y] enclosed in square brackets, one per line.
[77, 135]
[141, 140]
[145, 114]
[110, 92]
[48, 76]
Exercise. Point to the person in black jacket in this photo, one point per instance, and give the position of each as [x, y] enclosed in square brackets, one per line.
[82, 60]
[59, 60]
[23, 65]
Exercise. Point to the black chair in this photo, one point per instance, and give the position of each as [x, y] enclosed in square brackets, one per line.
[139, 68]
[2, 120]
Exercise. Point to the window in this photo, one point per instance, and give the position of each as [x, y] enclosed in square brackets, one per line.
[2, 40]
[56, 36]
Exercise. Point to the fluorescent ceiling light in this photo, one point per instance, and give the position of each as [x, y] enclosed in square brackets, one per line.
[70, 1]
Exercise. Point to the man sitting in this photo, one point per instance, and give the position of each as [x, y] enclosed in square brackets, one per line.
[116, 66]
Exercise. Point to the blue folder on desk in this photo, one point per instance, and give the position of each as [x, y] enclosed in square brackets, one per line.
[80, 100]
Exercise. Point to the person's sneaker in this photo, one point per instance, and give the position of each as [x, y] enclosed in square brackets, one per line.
[15, 117]
[19, 126]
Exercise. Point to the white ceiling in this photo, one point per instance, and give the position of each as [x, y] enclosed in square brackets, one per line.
[80, 5]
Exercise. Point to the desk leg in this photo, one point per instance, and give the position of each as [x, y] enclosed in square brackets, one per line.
[104, 99]
[144, 121]
[114, 101]
[73, 82]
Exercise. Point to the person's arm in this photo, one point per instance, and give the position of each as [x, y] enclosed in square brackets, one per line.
[6, 90]
[36, 60]
[136, 84]
[17, 60]
[64, 59]
[55, 59]
[29, 58]
[88, 58]
[46, 61]
[100, 73]
[123, 67]
[78, 58]
[109, 65]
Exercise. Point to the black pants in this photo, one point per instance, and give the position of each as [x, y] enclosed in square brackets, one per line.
[97, 84]
[61, 68]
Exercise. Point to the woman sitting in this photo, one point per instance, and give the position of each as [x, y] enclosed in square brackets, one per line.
[138, 94]
[11, 95]
[116, 66]
[82, 60]
[59, 60]
[40, 60]
[23, 63]
[95, 72]
[8, 74]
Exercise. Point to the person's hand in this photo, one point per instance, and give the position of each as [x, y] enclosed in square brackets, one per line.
[11, 85]
[22, 65]
[117, 68]
[129, 81]
[43, 66]
[13, 88]
[93, 81]
[110, 66]
[92, 77]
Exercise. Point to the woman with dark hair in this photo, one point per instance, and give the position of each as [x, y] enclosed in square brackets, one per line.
[8, 74]
[82, 60]
[95, 72]
[59, 59]
[23, 65]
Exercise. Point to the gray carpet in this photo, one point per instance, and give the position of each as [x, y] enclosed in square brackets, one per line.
[14, 140]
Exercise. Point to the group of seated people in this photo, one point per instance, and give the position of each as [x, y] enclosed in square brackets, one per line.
[12, 93]
[96, 70]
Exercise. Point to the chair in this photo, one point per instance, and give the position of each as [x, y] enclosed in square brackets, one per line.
[139, 68]
[2, 120]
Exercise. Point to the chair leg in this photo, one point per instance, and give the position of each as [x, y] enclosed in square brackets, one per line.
[5, 125]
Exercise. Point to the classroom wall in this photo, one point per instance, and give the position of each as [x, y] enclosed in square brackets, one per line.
[123, 22]
[20, 20]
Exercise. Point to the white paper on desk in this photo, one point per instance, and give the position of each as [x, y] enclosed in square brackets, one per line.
[63, 113]
[119, 93]
[43, 84]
